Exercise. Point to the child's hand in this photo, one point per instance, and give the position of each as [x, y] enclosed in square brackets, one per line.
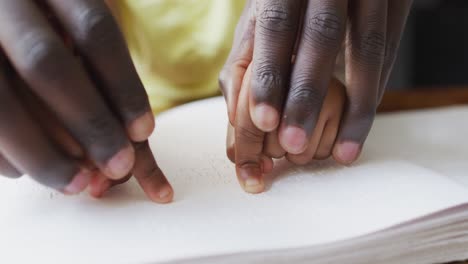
[252, 150]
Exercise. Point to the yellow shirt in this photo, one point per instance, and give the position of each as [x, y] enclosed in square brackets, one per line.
[178, 46]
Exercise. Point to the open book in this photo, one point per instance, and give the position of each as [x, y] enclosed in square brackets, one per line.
[405, 201]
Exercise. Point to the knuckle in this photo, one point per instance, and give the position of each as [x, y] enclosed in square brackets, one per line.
[267, 79]
[325, 29]
[43, 57]
[96, 28]
[150, 171]
[305, 95]
[140, 146]
[369, 48]
[276, 18]
[249, 135]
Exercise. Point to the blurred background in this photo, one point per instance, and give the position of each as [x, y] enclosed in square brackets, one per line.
[434, 48]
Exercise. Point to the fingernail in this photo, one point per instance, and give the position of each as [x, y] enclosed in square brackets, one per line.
[265, 117]
[251, 179]
[142, 127]
[253, 185]
[348, 152]
[293, 140]
[164, 195]
[165, 192]
[120, 165]
[78, 183]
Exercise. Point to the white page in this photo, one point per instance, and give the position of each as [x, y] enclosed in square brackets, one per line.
[210, 214]
[435, 139]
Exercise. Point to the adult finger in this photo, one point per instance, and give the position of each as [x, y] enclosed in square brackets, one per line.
[364, 59]
[308, 154]
[50, 69]
[240, 57]
[97, 37]
[28, 149]
[248, 144]
[47, 120]
[321, 38]
[396, 19]
[277, 23]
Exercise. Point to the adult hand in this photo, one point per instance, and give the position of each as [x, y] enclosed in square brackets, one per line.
[288, 97]
[75, 64]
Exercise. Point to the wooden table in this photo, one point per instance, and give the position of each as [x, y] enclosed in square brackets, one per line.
[426, 98]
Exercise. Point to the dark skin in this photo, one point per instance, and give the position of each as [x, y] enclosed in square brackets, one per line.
[292, 46]
[252, 167]
[73, 111]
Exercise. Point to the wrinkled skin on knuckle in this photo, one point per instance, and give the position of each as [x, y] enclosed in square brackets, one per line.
[305, 101]
[369, 48]
[324, 29]
[97, 29]
[267, 82]
[42, 57]
[276, 17]
[248, 135]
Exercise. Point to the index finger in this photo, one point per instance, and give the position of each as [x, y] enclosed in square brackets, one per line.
[248, 144]
[275, 37]
[100, 42]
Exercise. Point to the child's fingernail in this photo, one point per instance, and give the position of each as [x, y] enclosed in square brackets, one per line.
[293, 139]
[253, 185]
[165, 194]
[348, 152]
[142, 127]
[78, 183]
[120, 165]
[251, 179]
[265, 117]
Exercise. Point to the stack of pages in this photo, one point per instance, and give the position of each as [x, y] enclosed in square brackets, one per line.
[405, 201]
